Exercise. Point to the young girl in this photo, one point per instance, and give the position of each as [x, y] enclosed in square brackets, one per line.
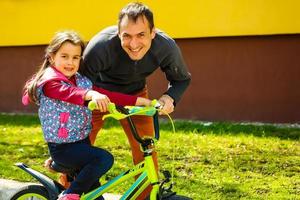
[62, 94]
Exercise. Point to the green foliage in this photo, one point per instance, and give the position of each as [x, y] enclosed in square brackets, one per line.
[208, 160]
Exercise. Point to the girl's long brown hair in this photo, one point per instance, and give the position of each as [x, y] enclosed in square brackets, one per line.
[57, 41]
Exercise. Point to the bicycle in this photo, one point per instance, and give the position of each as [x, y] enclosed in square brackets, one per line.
[147, 175]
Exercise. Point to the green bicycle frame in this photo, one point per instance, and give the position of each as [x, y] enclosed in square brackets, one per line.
[145, 170]
[147, 176]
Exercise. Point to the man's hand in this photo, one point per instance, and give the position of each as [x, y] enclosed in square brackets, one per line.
[167, 104]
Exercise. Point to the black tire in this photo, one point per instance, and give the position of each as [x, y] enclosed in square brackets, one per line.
[173, 197]
[35, 192]
[177, 197]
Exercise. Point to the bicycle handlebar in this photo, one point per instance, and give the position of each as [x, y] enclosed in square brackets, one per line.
[121, 112]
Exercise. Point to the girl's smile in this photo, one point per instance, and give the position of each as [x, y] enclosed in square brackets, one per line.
[67, 59]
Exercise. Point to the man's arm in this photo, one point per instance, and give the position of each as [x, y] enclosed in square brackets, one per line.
[177, 74]
[168, 100]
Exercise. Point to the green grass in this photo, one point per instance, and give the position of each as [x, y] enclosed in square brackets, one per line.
[212, 161]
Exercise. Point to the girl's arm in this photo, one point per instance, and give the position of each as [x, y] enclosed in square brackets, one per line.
[76, 95]
[71, 94]
[123, 99]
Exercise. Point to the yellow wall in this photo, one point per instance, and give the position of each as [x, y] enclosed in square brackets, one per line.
[30, 22]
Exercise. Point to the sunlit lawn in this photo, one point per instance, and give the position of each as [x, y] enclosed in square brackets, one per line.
[209, 161]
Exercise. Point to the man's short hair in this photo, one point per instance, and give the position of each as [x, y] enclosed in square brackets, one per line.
[134, 10]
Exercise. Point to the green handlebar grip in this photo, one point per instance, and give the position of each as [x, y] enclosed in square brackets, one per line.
[112, 108]
[92, 105]
[154, 102]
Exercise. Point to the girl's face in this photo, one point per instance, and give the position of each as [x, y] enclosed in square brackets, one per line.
[67, 59]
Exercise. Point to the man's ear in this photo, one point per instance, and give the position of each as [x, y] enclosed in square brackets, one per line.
[153, 32]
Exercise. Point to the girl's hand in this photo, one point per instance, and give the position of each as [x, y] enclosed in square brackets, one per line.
[101, 100]
[47, 164]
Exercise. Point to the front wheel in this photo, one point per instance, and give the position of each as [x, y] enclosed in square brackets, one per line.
[172, 197]
[177, 197]
[32, 192]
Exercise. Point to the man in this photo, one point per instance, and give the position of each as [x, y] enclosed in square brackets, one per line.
[120, 58]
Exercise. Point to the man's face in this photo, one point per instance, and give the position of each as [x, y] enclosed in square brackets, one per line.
[135, 37]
